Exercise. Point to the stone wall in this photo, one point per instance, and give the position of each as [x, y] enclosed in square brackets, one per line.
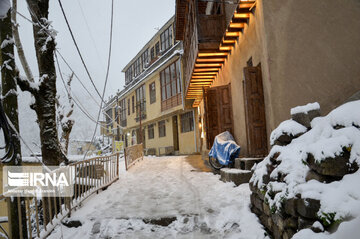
[298, 213]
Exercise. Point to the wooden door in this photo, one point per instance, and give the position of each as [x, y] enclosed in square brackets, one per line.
[255, 112]
[219, 117]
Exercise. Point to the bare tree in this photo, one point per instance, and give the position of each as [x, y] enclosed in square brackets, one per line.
[44, 91]
[9, 112]
[64, 116]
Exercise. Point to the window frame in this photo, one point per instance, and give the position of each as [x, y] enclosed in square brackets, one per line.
[187, 122]
[162, 125]
[174, 81]
[152, 92]
[151, 131]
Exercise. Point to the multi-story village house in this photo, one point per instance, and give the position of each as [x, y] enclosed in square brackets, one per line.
[247, 63]
[151, 109]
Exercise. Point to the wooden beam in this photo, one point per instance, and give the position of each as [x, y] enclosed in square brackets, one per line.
[209, 60]
[206, 70]
[208, 65]
[212, 54]
[241, 15]
[204, 74]
[202, 77]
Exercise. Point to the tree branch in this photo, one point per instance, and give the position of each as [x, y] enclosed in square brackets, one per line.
[18, 44]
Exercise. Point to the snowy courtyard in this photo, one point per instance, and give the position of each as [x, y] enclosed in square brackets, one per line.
[165, 197]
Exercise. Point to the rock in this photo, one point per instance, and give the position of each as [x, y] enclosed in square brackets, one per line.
[308, 207]
[277, 232]
[291, 222]
[256, 190]
[313, 114]
[266, 221]
[304, 223]
[278, 220]
[256, 201]
[237, 164]
[238, 176]
[302, 118]
[288, 233]
[266, 208]
[290, 207]
[305, 117]
[283, 140]
[72, 223]
[96, 228]
[312, 175]
[337, 166]
[248, 163]
[317, 227]
[256, 210]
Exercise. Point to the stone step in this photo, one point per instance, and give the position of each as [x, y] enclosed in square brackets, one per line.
[238, 176]
[246, 163]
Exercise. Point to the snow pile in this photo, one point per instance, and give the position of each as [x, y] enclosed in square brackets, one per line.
[288, 127]
[305, 108]
[166, 191]
[331, 139]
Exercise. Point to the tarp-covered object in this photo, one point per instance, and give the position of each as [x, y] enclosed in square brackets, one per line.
[224, 148]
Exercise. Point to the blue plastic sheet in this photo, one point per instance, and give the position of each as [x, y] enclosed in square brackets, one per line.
[224, 148]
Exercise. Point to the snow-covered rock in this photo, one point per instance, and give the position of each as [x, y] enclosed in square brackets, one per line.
[330, 153]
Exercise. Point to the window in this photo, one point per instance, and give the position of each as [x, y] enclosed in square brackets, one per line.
[140, 102]
[144, 59]
[108, 117]
[151, 131]
[187, 122]
[133, 104]
[166, 39]
[152, 93]
[162, 128]
[152, 53]
[128, 106]
[170, 81]
[137, 66]
[157, 49]
[128, 75]
[123, 113]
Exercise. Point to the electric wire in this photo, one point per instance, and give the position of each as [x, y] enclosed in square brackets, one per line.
[107, 73]
[77, 48]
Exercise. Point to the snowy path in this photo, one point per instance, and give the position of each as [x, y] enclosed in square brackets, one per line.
[165, 191]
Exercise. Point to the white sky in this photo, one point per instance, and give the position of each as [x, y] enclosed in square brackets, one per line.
[134, 24]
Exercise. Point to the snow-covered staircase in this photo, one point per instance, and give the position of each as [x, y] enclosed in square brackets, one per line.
[241, 173]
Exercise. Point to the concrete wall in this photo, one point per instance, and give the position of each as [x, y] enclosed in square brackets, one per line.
[308, 52]
[249, 45]
[313, 49]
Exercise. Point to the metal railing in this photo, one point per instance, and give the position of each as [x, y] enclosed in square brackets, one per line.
[133, 154]
[43, 214]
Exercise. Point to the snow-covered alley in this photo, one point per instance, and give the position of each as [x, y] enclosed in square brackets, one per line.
[165, 197]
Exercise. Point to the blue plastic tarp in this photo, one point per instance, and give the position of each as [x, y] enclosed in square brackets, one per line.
[224, 148]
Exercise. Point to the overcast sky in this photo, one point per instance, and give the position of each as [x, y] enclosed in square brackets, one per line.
[135, 22]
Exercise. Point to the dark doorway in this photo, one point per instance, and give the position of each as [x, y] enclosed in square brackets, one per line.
[175, 132]
[218, 111]
[255, 112]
